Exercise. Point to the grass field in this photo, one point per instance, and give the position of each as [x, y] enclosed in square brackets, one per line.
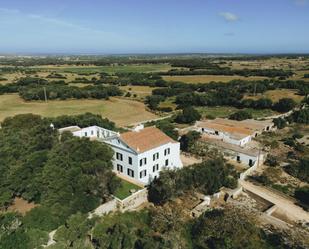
[208, 78]
[124, 190]
[275, 95]
[141, 91]
[123, 112]
[108, 69]
[224, 112]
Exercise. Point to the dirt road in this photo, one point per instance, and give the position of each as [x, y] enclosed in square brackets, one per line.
[287, 205]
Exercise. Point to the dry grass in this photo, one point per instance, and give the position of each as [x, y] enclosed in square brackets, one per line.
[275, 95]
[122, 111]
[21, 206]
[140, 91]
[208, 78]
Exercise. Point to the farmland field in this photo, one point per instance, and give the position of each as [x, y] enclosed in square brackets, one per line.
[143, 68]
[208, 78]
[140, 91]
[275, 95]
[122, 111]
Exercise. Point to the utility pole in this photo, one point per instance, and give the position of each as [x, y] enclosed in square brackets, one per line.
[45, 95]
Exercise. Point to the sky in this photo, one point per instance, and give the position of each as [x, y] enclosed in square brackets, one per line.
[154, 26]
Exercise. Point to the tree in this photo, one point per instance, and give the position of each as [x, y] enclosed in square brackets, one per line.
[153, 101]
[188, 116]
[284, 105]
[168, 128]
[301, 116]
[240, 115]
[280, 123]
[302, 194]
[75, 230]
[187, 140]
[226, 229]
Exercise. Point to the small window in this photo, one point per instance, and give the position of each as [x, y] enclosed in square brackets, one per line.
[143, 173]
[167, 151]
[91, 132]
[143, 161]
[131, 172]
[155, 167]
[119, 156]
[119, 168]
[98, 134]
[155, 156]
[130, 160]
[166, 162]
[217, 132]
[86, 134]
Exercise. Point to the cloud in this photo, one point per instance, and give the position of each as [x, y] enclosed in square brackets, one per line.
[229, 17]
[301, 2]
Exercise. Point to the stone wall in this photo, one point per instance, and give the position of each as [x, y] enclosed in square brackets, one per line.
[105, 208]
[133, 201]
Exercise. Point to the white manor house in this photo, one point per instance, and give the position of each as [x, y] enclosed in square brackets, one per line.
[139, 154]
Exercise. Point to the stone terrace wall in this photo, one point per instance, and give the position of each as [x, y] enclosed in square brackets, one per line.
[133, 201]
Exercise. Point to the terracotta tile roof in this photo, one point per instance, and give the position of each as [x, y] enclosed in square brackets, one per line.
[145, 139]
[251, 124]
[212, 124]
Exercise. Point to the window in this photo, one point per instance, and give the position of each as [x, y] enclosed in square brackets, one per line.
[119, 168]
[91, 132]
[166, 162]
[167, 151]
[238, 159]
[85, 134]
[98, 134]
[155, 167]
[142, 161]
[217, 132]
[131, 172]
[130, 160]
[119, 156]
[143, 173]
[155, 156]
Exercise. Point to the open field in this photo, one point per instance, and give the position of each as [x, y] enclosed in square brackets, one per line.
[224, 112]
[275, 95]
[140, 91]
[209, 78]
[144, 68]
[123, 112]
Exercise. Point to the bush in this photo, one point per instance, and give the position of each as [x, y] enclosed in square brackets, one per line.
[271, 161]
[188, 116]
[240, 115]
[284, 105]
[187, 140]
[302, 194]
[280, 123]
[203, 177]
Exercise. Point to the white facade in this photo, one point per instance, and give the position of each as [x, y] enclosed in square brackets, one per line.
[140, 166]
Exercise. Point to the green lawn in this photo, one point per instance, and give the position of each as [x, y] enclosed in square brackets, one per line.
[124, 190]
